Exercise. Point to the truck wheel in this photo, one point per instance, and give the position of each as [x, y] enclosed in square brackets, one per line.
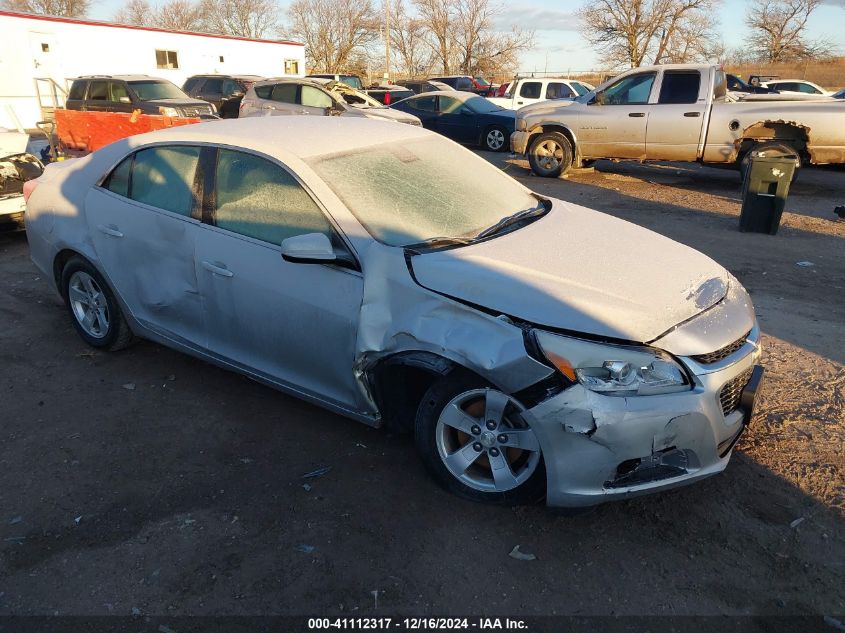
[769, 149]
[550, 155]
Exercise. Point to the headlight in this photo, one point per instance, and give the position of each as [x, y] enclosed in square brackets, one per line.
[521, 126]
[213, 108]
[613, 370]
[169, 111]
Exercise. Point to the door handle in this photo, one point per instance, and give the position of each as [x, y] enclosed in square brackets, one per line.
[109, 229]
[218, 269]
[519, 103]
[692, 115]
[636, 115]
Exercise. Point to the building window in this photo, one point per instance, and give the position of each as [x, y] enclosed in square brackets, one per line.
[291, 67]
[221, 59]
[45, 48]
[166, 59]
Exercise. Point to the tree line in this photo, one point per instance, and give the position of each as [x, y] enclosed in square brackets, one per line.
[631, 33]
[464, 36]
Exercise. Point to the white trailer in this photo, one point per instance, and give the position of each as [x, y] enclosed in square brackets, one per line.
[40, 54]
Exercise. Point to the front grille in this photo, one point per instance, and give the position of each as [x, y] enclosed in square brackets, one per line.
[719, 354]
[731, 392]
[194, 111]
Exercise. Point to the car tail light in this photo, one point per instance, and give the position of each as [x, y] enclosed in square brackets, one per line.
[387, 98]
[28, 187]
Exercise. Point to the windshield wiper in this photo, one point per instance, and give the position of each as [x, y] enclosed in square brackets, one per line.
[534, 212]
[435, 242]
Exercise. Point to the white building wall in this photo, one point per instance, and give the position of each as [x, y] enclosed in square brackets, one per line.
[61, 49]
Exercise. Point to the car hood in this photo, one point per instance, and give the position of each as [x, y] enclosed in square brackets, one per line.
[583, 271]
[388, 113]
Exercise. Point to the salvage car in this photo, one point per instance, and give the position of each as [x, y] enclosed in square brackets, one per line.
[17, 167]
[318, 96]
[676, 113]
[225, 92]
[392, 276]
[127, 93]
[462, 116]
[800, 86]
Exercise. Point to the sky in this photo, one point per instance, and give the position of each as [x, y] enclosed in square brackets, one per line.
[558, 45]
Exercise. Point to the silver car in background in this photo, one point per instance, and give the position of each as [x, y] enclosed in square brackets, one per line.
[316, 97]
[534, 347]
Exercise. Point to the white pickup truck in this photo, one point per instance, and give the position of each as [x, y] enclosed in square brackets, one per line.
[675, 113]
[528, 90]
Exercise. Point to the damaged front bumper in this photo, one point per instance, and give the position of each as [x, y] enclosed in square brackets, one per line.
[599, 448]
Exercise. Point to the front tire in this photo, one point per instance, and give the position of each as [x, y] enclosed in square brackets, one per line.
[476, 443]
[93, 307]
[496, 139]
[550, 155]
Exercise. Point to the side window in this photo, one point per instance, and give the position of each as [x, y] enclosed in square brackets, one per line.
[118, 180]
[212, 86]
[315, 98]
[807, 88]
[77, 90]
[191, 84]
[263, 92]
[680, 87]
[260, 199]
[531, 90]
[230, 86]
[448, 105]
[427, 104]
[632, 90]
[118, 91]
[284, 93]
[99, 91]
[163, 177]
[463, 83]
[557, 90]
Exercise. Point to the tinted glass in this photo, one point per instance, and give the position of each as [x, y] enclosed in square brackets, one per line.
[190, 84]
[260, 199]
[118, 90]
[808, 89]
[263, 92]
[231, 86]
[213, 86]
[284, 93]
[427, 104]
[149, 90]
[463, 83]
[99, 91]
[315, 98]
[580, 88]
[448, 105]
[163, 177]
[680, 87]
[118, 180]
[558, 91]
[481, 105]
[77, 90]
[531, 90]
[632, 90]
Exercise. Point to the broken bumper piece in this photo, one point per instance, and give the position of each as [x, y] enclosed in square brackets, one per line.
[600, 448]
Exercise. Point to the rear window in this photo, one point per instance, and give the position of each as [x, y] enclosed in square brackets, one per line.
[77, 90]
[680, 87]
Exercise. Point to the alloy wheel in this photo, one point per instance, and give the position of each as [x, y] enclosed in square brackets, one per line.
[88, 304]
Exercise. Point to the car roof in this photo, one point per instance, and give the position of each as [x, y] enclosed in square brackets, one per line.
[313, 81]
[460, 95]
[122, 77]
[223, 76]
[284, 137]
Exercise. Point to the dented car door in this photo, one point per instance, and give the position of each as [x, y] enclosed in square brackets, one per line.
[143, 221]
[292, 324]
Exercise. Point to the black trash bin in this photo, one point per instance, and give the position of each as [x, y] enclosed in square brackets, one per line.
[764, 193]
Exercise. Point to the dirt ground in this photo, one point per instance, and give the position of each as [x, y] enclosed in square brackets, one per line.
[149, 482]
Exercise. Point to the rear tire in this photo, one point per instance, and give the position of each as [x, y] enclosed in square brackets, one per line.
[475, 442]
[550, 155]
[93, 308]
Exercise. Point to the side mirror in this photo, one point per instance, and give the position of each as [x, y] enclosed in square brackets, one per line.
[310, 248]
[125, 100]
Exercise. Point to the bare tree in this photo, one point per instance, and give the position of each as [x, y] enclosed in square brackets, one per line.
[333, 31]
[241, 18]
[779, 30]
[634, 32]
[409, 40]
[135, 12]
[66, 8]
[439, 17]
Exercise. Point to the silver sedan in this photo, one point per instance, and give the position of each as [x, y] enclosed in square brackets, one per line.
[533, 347]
